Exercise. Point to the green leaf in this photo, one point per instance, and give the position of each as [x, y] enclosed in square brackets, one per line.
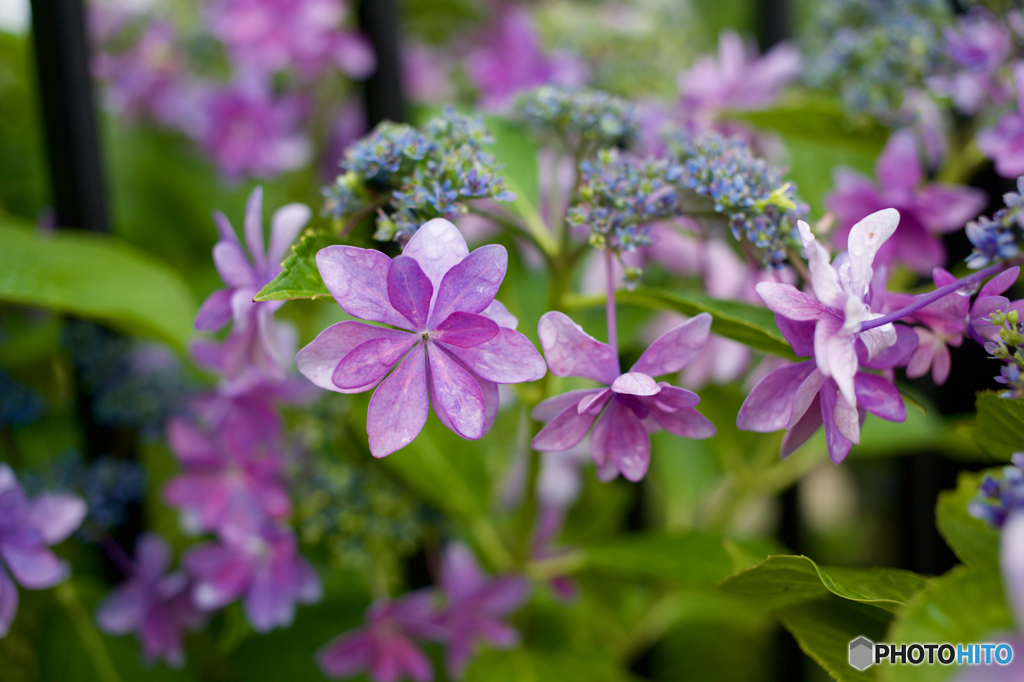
[300, 277]
[971, 539]
[821, 120]
[780, 581]
[749, 324]
[693, 559]
[964, 605]
[97, 277]
[1000, 430]
[523, 665]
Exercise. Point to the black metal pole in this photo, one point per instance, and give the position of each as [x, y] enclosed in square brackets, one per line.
[383, 98]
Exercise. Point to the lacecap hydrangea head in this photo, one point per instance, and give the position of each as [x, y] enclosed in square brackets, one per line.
[582, 120]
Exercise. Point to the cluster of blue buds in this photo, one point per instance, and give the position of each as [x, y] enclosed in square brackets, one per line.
[998, 498]
[994, 238]
[582, 120]
[1008, 346]
[410, 176]
[759, 206]
[870, 52]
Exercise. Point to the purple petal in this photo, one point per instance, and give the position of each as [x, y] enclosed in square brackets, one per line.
[31, 563]
[982, 310]
[254, 227]
[471, 285]
[790, 302]
[370, 362]
[687, 422]
[504, 595]
[635, 383]
[319, 360]
[1000, 283]
[835, 355]
[847, 420]
[508, 358]
[838, 445]
[305, 582]
[805, 427]
[548, 409]
[285, 226]
[806, 395]
[358, 280]
[124, 609]
[570, 351]
[594, 402]
[461, 576]
[221, 575]
[399, 407]
[879, 397]
[500, 314]
[267, 602]
[566, 430]
[56, 515]
[899, 166]
[627, 444]
[944, 208]
[465, 330]
[896, 355]
[152, 555]
[412, 661]
[922, 358]
[500, 635]
[455, 395]
[409, 291]
[233, 266]
[941, 365]
[346, 655]
[799, 334]
[769, 404]
[215, 311]
[674, 398]
[224, 229]
[674, 349]
[437, 246]
[8, 602]
[191, 445]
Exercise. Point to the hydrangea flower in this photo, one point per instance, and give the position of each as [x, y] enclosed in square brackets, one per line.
[582, 120]
[945, 322]
[155, 605]
[385, 646]
[440, 299]
[636, 404]
[737, 80]
[476, 606]
[255, 339]
[979, 45]
[256, 560]
[1004, 142]
[925, 211]
[27, 530]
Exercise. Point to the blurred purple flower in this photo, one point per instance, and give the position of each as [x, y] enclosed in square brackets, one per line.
[508, 59]
[153, 604]
[255, 339]
[476, 606]
[257, 560]
[1004, 142]
[276, 35]
[221, 469]
[636, 404]
[990, 300]
[444, 296]
[247, 131]
[980, 46]
[945, 321]
[926, 211]
[737, 80]
[425, 74]
[27, 530]
[384, 647]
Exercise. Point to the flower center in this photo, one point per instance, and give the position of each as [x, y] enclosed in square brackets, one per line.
[425, 336]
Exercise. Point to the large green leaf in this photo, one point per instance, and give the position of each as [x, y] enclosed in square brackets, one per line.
[780, 581]
[300, 277]
[96, 277]
[1000, 429]
[697, 559]
[743, 322]
[973, 540]
[965, 605]
[522, 665]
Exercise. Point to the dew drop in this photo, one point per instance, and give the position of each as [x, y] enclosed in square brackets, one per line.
[969, 289]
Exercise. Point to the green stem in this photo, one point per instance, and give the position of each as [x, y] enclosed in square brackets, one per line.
[67, 597]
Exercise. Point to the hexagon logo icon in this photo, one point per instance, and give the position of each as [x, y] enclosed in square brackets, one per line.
[862, 653]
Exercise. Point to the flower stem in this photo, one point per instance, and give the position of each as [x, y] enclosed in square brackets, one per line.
[610, 304]
[67, 596]
[941, 292]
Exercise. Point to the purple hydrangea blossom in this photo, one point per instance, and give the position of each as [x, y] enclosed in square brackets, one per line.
[222, 468]
[980, 46]
[476, 606]
[155, 605]
[440, 297]
[27, 529]
[385, 646]
[945, 322]
[508, 59]
[636, 404]
[276, 35]
[1004, 142]
[255, 339]
[991, 300]
[737, 80]
[257, 560]
[926, 211]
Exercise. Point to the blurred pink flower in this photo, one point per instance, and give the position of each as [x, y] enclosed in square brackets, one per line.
[1004, 142]
[980, 46]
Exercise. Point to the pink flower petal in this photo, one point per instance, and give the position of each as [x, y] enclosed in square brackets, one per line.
[565, 430]
[56, 515]
[508, 358]
[770, 402]
[215, 311]
[594, 402]
[319, 360]
[838, 445]
[899, 165]
[674, 398]
[285, 226]
[437, 246]
[254, 227]
[465, 330]
[941, 365]
[548, 409]
[635, 383]
[879, 397]
[233, 266]
[572, 352]
[358, 280]
[674, 349]
[921, 360]
[370, 362]
[470, 285]
[346, 655]
[790, 302]
[803, 429]
[686, 422]
[944, 208]
[455, 395]
[399, 407]
[847, 420]
[628, 446]
[461, 576]
[836, 356]
[806, 395]
[410, 291]
[1000, 283]
[191, 445]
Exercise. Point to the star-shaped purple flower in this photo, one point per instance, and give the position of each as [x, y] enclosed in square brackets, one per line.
[385, 646]
[636, 404]
[155, 605]
[1004, 142]
[27, 530]
[439, 300]
[926, 211]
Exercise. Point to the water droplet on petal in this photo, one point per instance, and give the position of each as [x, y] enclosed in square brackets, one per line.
[969, 289]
